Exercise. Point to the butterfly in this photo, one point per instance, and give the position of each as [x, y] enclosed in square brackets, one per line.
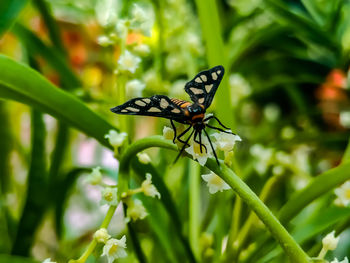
[201, 90]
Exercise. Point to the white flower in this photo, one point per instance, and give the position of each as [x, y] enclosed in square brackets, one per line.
[129, 62]
[283, 158]
[143, 158]
[95, 177]
[106, 11]
[116, 139]
[122, 28]
[142, 49]
[272, 112]
[240, 88]
[193, 42]
[114, 249]
[344, 119]
[263, 156]
[142, 20]
[175, 62]
[278, 170]
[134, 88]
[48, 260]
[343, 193]
[215, 183]
[139, 14]
[345, 260]
[168, 133]
[195, 151]
[109, 196]
[136, 210]
[288, 133]
[105, 41]
[101, 235]
[225, 141]
[148, 188]
[330, 242]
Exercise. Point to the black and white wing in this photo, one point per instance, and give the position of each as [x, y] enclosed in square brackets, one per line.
[203, 86]
[157, 106]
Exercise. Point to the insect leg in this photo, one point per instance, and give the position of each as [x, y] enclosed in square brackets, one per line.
[211, 145]
[219, 129]
[183, 133]
[183, 147]
[213, 117]
[174, 128]
[200, 141]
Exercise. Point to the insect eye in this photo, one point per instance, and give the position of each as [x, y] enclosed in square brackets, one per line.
[194, 109]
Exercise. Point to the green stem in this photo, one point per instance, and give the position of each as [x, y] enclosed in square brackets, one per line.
[291, 248]
[93, 243]
[236, 215]
[194, 207]
[288, 244]
[245, 230]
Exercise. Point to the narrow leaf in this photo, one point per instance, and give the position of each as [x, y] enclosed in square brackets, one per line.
[21, 83]
[9, 10]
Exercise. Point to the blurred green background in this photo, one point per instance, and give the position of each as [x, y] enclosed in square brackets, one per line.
[285, 93]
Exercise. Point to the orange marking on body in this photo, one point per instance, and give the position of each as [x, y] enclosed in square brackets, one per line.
[185, 104]
[199, 116]
[187, 113]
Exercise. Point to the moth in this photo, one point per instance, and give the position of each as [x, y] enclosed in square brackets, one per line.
[201, 90]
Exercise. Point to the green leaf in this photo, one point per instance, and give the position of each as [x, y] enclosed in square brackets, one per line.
[53, 28]
[61, 194]
[291, 248]
[167, 201]
[315, 225]
[21, 83]
[320, 222]
[36, 201]
[313, 10]
[302, 26]
[9, 11]
[161, 228]
[319, 186]
[16, 259]
[6, 146]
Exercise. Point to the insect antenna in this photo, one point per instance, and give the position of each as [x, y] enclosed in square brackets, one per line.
[211, 145]
[184, 146]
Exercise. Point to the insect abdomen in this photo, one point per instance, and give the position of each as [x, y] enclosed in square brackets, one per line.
[181, 103]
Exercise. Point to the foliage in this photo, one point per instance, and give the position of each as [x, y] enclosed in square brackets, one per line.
[64, 64]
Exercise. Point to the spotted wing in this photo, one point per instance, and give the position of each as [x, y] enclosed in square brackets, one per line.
[157, 106]
[203, 86]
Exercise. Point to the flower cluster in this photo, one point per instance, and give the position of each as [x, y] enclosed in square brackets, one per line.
[215, 183]
[113, 248]
[330, 242]
[296, 162]
[109, 194]
[343, 194]
[116, 139]
[222, 141]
